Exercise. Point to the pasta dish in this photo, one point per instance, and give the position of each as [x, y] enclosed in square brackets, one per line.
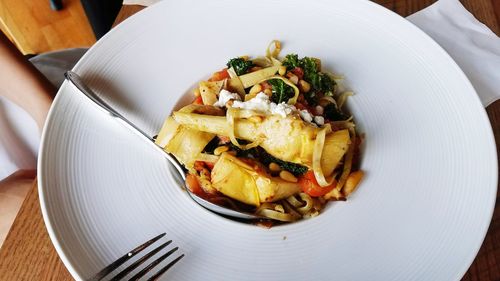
[267, 135]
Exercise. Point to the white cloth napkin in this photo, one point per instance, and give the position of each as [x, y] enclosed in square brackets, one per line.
[474, 47]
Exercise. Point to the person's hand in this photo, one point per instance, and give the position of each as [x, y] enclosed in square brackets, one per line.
[13, 190]
[22, 83]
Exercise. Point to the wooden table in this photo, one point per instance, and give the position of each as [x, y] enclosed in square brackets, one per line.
[36, 29]
[28, 254]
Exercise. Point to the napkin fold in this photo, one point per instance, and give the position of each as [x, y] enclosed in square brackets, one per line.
[473, 46]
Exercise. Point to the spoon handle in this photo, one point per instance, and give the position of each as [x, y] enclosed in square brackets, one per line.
[76, 80]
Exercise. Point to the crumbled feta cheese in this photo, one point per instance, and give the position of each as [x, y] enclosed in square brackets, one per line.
[319, 120]
[259, 103]
[262, 103]
[225, 96]
[306, 116]
[282, 109]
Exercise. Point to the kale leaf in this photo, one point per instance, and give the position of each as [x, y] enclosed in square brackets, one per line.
[241, 66]
[311, 98]
[309, 66]
[211, 146]
[281, 91]
[265, 158]
[333, 113]
[319, 81]
[291, 61]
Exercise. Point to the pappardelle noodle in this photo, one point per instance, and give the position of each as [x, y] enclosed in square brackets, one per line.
[268, 135]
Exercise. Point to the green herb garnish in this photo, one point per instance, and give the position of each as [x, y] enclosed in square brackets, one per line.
[333, 113]
[265, 158]
[281, 91]
[240, 65]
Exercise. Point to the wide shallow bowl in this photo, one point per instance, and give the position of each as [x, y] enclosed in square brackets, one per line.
[421, 213]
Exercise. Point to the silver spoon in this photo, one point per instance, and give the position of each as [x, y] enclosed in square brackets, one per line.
[76, 80]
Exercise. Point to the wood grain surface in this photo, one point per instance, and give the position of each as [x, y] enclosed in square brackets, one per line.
[28, 254]
[36, 29]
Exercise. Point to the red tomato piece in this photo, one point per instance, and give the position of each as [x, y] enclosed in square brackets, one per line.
[220, 75]
[198, 100]
[300, 106]
[193, 184]
[199, 165]
[223, 139]
[265, 85]
[298, 71]
[310, 186]
[210, 165]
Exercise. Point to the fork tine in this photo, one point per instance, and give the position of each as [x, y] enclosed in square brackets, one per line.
[138, 262]
[164, 269]
[108, 269]
[153, 264]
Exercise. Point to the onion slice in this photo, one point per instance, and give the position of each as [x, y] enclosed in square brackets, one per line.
[348, 161]
[268, 210]
[207, 157]
[319, 143]
[343, 98]
[273, 53]
[231, 114]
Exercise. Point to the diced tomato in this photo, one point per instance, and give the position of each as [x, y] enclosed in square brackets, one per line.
[259, 168]
[298, 71]
[193, 184]
[300, 106]
[198, 100]
[219, 75]
[310, 186]
[333, 126]
[210, 165]
[199, 165]
[248, 161]
[265, 85]
[223, 139]
[265, 223]
[301, 99]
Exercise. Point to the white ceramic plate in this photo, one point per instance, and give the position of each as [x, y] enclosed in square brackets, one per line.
[421, 213]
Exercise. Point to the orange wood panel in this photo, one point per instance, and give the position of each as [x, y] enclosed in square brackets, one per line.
[35, 28]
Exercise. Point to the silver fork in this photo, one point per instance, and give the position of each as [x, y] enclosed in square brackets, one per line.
[114, 265]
